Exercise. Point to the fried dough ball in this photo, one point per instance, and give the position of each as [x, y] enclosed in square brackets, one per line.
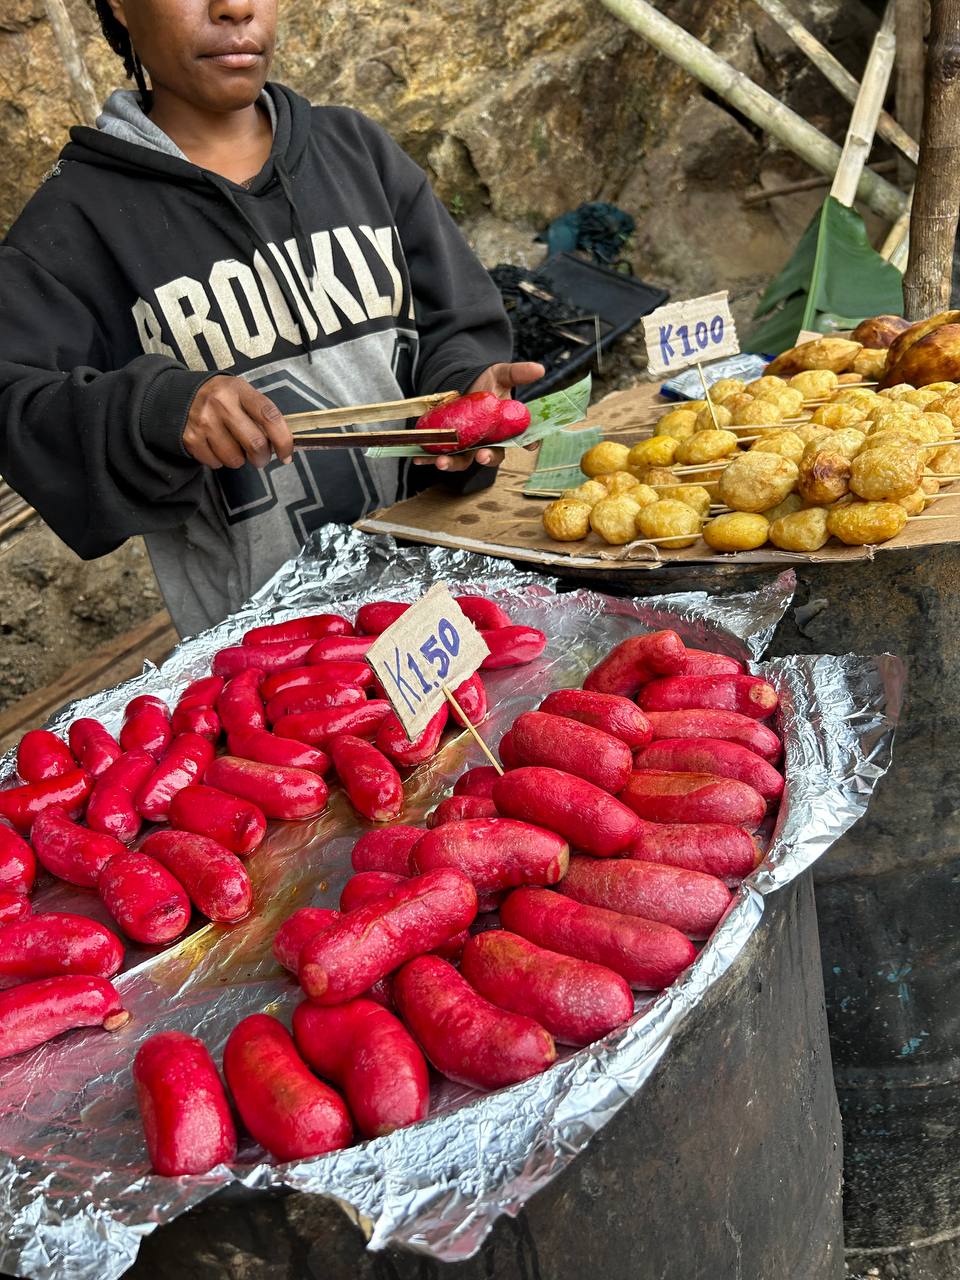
[658, 451]
[848, 441]
[614, 519]
[921, 396]
[949, 406]
[863, 524]
[870, 363]
[603, 458]
[723, 388]
[930, 484]
[898, 392]
[838, 415]
[899, 410]
[941, 388]
[946, 461]
[812, 432]
[756, 481]
[666, 519]
[787, 399]
[923, 430]
[758, 413]
[914, 502]
[694, 495]
[736, 531]
[814, 384]
[768, 382]
[861, 397]
[590, 492]
[705, 418]
[801, 530]
[618, 482]
[824, 474]
[835, 354]
[739, 401]
[787, 443]
[886, 473]
[706, 446]
[678, 423]
[566, 520]
[791, 503]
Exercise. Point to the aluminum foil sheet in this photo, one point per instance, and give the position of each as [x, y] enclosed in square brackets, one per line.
[76, 1192]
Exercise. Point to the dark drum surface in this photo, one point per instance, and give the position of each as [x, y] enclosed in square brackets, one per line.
[726, 1165]
[888, 901]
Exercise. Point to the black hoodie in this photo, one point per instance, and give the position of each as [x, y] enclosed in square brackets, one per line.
[132, 276]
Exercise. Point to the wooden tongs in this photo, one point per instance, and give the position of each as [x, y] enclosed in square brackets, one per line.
[308, 432]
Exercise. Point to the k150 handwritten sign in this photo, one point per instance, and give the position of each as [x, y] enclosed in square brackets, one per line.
[434, 644]
[685, 333]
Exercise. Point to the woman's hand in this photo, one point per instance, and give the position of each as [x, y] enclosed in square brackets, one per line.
[500, 379]
[231, 423]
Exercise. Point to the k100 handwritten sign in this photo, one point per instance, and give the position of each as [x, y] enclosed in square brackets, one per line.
[434, 644]
[685, 333]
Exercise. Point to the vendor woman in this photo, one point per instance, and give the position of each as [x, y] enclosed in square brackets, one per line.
[215, 254]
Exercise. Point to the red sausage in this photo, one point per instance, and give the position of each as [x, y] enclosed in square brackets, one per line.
[365, 887]
[319, 728]
[297, 930]
[13, 906]
[41, 755]
[474, 417]
[712, 755]
[146, 726]
[386, 849]
[71, 852]
[313, 627]
[111, 808]
[18, 866]
[610, 712]
[485, 614]
[477, 782]
[586, 817]
[575, 1000]
[183, 763]
[366, 945]
[35, 1012]
[268, 748]
[56, 942]
[146, 901]
[236, 824]
[730, 726]
[370, 780]
[662, 796]
[294, 702]
[202, 693]
[459, 808]
[543, 739]
[283, 1105]
[94, 748]
[646, 954]
[748, 695]
[359, 674]
[635, 661]
[494, 853]
[701, 662]
[472, 699]
[372, 1057]
[340, 649]
[215, 879]
[467, 1038]
[183, 1106]
[716, 848]
[240, 706]
[68, 791]
[373, 619]
[231, 661]
[277, 791]
[508, 756]
[392, 739]
[689, 900]
[195, 711]
[512, 647]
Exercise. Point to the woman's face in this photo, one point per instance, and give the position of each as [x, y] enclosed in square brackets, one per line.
[214, 54]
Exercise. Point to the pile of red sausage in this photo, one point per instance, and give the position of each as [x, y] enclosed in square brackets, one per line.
[626, 811]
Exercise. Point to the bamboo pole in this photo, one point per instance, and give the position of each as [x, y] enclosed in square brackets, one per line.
[755, 103]
[866, 111]
[936, 199]
[806, 184]
[834, 71]
[83, 92]
[909, 91]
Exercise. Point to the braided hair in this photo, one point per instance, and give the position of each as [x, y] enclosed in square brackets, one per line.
[118, 38]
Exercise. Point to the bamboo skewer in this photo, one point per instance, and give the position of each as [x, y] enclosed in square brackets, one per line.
[384, 411]
[471, 728]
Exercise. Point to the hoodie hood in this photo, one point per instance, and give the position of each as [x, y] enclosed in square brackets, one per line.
[123, 117]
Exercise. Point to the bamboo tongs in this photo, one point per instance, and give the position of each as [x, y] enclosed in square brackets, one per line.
[308, 427]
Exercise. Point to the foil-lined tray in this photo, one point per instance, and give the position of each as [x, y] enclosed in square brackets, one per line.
[76, 1191]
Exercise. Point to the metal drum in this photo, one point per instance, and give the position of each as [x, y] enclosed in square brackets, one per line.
[726, 1166]
[888, 901]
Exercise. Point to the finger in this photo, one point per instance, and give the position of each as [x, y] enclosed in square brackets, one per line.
[265, 414]
[490, 457]
[200, 451]
[523, 372]
[224, 447]
[454, 461]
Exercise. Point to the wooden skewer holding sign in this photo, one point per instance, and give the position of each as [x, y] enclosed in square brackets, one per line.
[471, 728]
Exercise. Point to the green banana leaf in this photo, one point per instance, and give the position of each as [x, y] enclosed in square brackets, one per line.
[834, 271]
[548, 414]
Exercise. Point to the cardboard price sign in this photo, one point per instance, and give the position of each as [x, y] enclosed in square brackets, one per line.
[685, 333]
[432, 646]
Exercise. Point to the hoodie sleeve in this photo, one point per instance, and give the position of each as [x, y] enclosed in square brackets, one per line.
[460, 317]
[97, 454]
